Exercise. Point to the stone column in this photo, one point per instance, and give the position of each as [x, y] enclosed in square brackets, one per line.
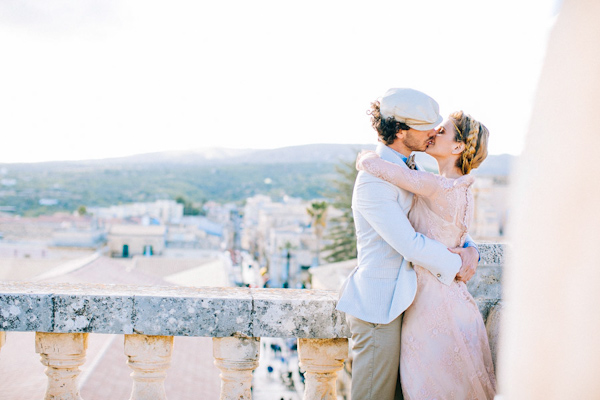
[321, 359]
[493, 326]
[550, 342]
[236, 357]
[62, 354]
[149, 357]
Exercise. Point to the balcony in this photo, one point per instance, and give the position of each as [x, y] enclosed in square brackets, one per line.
[63, 315]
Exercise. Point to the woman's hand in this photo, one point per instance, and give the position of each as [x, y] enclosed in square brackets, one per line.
[364, 156]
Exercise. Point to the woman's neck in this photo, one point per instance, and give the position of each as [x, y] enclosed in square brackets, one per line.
[448, 168]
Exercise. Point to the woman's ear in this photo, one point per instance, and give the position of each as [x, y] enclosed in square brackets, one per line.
[458, 148]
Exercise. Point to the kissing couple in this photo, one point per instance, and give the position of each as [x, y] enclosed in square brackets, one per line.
[417, 332]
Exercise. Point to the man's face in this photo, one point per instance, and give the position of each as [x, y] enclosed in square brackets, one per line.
[417, 140]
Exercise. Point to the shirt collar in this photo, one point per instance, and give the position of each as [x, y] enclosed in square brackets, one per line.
[389, 154]
[402, 156]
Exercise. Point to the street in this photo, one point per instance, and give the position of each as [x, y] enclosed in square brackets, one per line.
[277, 376]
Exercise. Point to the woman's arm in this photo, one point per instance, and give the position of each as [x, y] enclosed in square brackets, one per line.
[418, 182]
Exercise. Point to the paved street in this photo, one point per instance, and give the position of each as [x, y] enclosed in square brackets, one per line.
[282, 381]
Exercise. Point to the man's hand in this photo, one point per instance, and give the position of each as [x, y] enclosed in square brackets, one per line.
[470, 259]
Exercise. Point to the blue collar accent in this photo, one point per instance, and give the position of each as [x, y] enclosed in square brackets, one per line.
[402, 156]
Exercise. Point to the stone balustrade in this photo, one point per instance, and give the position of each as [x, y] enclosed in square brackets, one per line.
[62, 315]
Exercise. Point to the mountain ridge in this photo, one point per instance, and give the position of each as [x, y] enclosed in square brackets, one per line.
[309, 153]
[222, 175]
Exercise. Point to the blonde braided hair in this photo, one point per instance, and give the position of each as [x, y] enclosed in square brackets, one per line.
[475, 137]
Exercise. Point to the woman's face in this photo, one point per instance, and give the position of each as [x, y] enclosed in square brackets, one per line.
[443, 144]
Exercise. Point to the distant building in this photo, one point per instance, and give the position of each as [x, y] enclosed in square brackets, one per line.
[279, 235]
[46, 228]
[90, 238]
[8, 182]
[195, 232]
[132, 240]
[48, 202]
[161, 211]
[491, 195]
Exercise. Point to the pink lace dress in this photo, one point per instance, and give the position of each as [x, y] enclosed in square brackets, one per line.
[445, 352]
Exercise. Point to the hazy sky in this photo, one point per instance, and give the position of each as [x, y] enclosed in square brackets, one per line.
[104, 78]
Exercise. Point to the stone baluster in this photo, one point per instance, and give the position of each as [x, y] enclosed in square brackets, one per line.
[321, 359]
[492, 326]
[236, 357]
[2, 339]
[149, 357]
[62, 354]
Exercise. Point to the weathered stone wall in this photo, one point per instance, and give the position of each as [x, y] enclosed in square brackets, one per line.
[485, 286]
[212, 312]
[170, 311]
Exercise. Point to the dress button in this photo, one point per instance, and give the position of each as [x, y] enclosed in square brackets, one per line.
[439, 275]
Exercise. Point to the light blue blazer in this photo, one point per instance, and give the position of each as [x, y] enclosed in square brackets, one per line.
[384, 283]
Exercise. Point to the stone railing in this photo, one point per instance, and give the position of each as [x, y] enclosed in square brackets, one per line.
[485, 286]
[63, 315]
[236, 318]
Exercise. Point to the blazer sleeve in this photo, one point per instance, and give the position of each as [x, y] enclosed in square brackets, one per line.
[377, 202]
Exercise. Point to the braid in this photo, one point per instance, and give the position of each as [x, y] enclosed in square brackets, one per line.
[470, 146]
[475, 136]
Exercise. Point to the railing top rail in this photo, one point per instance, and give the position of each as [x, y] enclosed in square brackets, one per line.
[171, 311]
[492, 253]
[208, 311]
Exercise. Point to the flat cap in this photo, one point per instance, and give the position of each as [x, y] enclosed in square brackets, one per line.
[409, 106]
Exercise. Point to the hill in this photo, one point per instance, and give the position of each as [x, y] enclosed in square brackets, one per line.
[217, 174]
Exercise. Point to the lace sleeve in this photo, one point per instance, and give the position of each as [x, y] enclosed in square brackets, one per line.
[418, 182]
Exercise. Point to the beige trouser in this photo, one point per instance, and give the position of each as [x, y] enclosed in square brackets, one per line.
[376, 359]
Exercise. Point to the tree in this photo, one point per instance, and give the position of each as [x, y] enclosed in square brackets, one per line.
[342, 233]
[188, 206]
[318, 215]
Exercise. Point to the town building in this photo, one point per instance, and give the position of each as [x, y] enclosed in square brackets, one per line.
[131, 240]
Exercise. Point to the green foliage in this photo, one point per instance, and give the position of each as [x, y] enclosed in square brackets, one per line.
[99, 185]
[188, 207]
[342, 234]
[318, 213]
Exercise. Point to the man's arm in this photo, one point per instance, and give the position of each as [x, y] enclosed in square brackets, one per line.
[470, 243]
[377, 203]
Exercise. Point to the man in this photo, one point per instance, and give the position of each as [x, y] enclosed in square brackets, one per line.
[383, 284]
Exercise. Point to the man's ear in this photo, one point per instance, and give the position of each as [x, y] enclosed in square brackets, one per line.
[458, 148]
[401, 134]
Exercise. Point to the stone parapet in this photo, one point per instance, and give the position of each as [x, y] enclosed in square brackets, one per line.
[492, 254]
[62, 315]
[170, 311]
[211, 312]
[486, 284]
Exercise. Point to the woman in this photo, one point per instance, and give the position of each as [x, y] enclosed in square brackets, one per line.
[445, 351]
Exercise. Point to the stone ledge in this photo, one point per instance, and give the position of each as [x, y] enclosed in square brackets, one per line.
[170, 311]
[212, 312]
[492, 254]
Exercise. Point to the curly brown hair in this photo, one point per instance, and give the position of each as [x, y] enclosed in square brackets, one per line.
[475, 137]
[387, 128]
